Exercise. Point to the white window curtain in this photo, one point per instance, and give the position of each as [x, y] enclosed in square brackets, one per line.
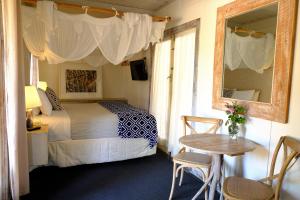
[160, 85]
[34, 70]
[182, 85]
[15, 99]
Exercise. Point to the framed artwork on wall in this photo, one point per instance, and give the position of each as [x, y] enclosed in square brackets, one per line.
[80, 81]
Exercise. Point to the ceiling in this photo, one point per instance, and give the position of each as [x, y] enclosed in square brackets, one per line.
[256, 15]
[142, 5]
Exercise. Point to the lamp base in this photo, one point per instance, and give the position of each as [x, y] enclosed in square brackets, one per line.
[29, 123]
[34, 128]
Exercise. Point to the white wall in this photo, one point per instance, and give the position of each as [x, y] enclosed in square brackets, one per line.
[246, 78]
[264, 133]
[50, 74]
[117, 82]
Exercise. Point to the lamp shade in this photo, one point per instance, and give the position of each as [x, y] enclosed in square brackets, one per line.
[32, 98]
[42, 85]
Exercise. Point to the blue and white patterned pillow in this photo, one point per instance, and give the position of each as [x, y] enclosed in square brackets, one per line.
[54, 100]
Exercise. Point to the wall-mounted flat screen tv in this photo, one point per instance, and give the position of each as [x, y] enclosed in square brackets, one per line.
[138, 70]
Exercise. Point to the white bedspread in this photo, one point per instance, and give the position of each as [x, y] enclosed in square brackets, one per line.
[87, 133]
[59, 125]
[91, 121]
[76, 152]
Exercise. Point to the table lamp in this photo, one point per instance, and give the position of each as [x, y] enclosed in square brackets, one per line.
[32, 100]
[42, 85]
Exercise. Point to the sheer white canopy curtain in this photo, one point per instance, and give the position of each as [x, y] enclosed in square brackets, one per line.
[14, 158]
[4, 178]
[239, 51]
[172, 86]
[34, 70]
[57, 37]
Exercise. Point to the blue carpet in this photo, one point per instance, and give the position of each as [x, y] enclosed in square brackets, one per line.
[147, 178]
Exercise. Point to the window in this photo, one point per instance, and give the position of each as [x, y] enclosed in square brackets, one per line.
[173, 82]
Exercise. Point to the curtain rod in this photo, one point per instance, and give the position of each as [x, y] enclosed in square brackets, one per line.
[237, 29]
[93, 9]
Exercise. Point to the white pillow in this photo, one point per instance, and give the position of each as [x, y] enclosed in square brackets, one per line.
[256, 95]
[243, 95]
[46, 106]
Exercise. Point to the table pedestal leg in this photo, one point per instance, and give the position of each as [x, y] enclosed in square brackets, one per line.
[216, 171]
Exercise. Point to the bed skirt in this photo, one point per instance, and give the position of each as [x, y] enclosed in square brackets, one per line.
[87, 151]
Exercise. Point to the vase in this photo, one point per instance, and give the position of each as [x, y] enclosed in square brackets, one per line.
[233, 130]
[233, 136]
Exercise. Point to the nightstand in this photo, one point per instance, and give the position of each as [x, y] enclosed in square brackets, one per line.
[38, 146]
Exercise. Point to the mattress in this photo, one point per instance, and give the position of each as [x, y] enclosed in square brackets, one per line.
[91, 121]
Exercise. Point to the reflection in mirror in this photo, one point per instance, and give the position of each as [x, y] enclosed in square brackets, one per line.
[249, 55]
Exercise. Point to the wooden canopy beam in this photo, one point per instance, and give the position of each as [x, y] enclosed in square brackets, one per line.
[93, 9]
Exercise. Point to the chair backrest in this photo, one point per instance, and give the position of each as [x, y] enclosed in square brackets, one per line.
[291, 151]
[189, 120]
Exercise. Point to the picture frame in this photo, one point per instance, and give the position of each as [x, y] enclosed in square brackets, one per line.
[80, 81]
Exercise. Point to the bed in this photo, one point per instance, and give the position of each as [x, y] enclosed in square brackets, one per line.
[85, 133]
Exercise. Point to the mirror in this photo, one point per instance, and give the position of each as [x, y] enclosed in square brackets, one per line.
[253, 56]
[248, 59]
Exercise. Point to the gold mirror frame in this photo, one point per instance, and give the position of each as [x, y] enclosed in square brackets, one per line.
[277, 110]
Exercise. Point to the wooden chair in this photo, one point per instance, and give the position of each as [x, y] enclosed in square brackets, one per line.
[235, 188]
[190, 159]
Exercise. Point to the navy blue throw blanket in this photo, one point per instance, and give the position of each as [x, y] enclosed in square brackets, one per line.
[133, 122]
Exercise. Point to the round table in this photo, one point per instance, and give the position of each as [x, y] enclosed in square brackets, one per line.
[217, 145]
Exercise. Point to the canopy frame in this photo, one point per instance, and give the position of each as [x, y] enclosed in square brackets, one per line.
[87, 9]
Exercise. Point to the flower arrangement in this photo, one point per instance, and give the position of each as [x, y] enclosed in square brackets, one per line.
[236, 115]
